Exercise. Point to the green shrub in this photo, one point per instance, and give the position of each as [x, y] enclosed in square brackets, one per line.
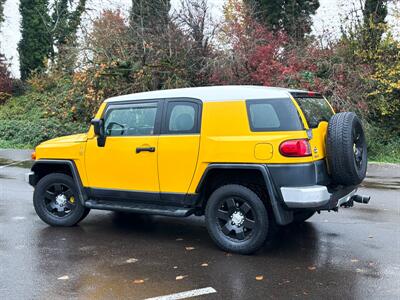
[25, 133]
[27, 120]
[383, 144]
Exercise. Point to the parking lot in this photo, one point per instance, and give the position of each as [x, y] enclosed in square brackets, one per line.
[353, 254]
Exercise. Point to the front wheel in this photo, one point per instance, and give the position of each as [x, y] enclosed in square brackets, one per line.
[56, 201]
[237, 219]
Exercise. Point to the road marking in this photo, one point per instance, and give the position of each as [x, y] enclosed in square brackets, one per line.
[14, 163]
[185, 295]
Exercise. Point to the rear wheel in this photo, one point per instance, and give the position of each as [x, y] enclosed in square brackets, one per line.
[56, 201]
[237, 219]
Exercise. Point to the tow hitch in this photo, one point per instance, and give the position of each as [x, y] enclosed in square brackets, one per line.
[355, 198]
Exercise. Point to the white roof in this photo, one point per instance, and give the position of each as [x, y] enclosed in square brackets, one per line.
[212, 93]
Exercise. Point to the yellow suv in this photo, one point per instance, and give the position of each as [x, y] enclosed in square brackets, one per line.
[247, 157]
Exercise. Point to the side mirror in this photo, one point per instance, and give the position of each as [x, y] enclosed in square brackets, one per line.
[98, 126]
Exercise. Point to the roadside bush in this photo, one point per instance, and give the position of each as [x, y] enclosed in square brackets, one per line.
[27, 120]
[31, 133]
[383, 145]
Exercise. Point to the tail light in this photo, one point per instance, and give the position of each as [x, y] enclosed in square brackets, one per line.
[33, 155]
[295, 148]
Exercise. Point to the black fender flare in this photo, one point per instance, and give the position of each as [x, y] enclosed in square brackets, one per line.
[41, 163]
[282, 216]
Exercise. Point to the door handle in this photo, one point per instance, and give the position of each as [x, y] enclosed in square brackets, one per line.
[143, 149]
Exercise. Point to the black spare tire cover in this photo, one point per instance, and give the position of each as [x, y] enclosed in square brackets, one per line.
[346, 149]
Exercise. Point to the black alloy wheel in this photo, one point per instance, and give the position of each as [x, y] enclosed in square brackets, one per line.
[56, 200]
[237, 219]
[59, 199]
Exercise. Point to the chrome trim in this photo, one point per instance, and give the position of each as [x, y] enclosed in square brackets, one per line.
[311, 196]
[305, 196]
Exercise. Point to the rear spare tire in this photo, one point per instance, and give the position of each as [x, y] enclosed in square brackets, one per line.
[346, 149]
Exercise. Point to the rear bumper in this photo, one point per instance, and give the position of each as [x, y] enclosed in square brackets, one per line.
[308, 186]
[316, 197]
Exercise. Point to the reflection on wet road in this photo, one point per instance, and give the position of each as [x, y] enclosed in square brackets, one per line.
[351, 254]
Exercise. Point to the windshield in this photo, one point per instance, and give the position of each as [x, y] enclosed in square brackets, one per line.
[315, 110]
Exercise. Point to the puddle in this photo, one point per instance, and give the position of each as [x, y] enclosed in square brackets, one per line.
[2, 176]
[27, 164]
[4, 161]
[382, 177]
[389, 185]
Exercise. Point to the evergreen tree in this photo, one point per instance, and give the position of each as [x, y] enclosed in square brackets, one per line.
[292, 16]
[65, 21]
[374, 15]
[149, 15]
[35, 44]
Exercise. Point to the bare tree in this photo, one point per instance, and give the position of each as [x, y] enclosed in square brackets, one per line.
[196, 21]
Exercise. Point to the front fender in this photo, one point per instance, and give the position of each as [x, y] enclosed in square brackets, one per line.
[43, 167]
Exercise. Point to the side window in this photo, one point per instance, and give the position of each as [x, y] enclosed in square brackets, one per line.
[264, 116]
[182, 117]
[273, 115]
[131, 119]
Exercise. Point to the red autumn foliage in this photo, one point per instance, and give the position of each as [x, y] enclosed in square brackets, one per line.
[259, 56]
[255, 55]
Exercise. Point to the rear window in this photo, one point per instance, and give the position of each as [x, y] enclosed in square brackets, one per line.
[315, 110]
[273, 115]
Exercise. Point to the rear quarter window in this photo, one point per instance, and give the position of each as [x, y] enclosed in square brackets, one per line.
[273, 115]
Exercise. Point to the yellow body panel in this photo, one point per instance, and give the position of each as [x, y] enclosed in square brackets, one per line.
[70, 147]
[318, 141]
[226, 136]
[179, 161]
[118, 166]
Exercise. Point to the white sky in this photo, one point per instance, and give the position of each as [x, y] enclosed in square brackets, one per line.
[328, 17]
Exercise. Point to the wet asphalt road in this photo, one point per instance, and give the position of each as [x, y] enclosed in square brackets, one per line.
[353, 254]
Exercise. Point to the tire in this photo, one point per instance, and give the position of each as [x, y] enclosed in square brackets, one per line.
[236, 203]
[346, 149]
[52, 190]
[302, 216]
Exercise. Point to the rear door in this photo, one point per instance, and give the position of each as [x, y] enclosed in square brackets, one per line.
[317, 113]
[178, 146]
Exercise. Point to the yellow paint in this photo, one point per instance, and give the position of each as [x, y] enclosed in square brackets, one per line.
[118, 166]
[263, 151]
[179, 161]
[318, 141]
